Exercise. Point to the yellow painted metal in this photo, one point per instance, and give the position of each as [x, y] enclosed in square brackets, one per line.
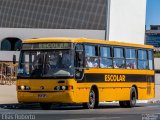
[85, 40]
[108, 91]
[115, 91]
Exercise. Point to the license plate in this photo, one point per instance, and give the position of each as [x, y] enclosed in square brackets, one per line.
[42, 95]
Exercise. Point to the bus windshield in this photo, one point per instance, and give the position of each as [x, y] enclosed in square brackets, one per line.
[57, 63]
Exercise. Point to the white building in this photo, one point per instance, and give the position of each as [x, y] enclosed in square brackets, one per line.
[117, 20]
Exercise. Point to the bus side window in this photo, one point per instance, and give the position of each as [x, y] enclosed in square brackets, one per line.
[150, 58]
[79, 55]
[131, 62]
[105, 57]
[91, 56]
[118, 60]
[142, 59]
[79, 61]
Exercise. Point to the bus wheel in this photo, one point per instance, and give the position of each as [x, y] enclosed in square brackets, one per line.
[93, 100]
[133, 98]
[132, 102]
[45, 106]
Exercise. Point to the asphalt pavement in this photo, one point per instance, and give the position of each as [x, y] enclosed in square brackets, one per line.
[106, 111]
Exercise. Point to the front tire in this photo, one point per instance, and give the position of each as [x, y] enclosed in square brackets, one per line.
[93, 100]
[45, 106]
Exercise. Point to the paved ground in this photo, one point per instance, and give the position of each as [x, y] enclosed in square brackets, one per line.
[8, 94]
[104, 112]
[10, 111]
[157, 92]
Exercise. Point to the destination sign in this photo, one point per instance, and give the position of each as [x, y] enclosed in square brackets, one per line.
[28, 46]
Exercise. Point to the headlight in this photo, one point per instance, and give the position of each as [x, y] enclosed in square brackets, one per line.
[63, 87]
[58, 88]
[27, 88]
[22, 87]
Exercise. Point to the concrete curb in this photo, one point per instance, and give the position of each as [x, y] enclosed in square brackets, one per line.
[154, 101]
[17, 105]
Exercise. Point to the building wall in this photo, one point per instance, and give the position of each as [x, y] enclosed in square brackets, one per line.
[157, 78]
[153, 38]
[122, 20]
[127, 20]
[157, 63]
[157, 86]
[26, 33]
[52, 18]
[8, 55]
[157, 92]
[117, 20]
[53, 14]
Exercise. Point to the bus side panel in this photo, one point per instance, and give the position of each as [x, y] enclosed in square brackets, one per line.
[114, 94]
[121, 91]
[113, 91]
[146, 92]
[82, 92]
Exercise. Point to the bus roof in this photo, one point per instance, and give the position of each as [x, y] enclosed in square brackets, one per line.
[85, 40]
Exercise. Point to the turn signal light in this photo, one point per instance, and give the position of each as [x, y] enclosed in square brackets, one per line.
[63, 87]
[70, 87]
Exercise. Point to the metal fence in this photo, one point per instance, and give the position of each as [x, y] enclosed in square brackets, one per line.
[8, 73]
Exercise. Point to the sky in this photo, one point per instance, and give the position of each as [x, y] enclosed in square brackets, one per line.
[153, 13]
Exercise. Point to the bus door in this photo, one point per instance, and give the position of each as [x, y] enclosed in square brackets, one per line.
[79, 61]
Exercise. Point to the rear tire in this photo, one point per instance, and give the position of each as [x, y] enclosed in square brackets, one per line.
[132, 102]
[93, 100]
[45, 106]
[133, 98]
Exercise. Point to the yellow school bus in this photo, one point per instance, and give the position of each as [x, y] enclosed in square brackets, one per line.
[87, 71]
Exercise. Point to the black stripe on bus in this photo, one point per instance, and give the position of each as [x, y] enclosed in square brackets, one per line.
[128, 78]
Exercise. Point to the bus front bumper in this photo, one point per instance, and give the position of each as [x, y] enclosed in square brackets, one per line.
[46, 97]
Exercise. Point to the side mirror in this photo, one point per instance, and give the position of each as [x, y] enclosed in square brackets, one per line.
[79, 74]
[14, 59]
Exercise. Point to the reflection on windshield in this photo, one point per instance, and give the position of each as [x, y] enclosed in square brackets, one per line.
[46, 64]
